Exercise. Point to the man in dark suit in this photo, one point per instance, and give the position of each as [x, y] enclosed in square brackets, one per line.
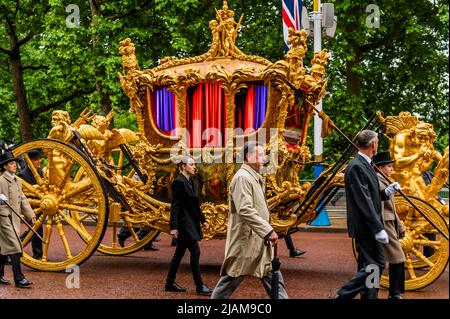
[27, 175]
[364, 220]
[185, 220]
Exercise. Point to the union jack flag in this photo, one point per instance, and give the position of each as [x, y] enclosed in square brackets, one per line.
[291, 13]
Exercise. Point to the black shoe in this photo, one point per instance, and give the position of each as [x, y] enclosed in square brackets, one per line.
[38, 257]
[175, 287]
[395, 297]
[24, 283]
[296, 253]
[121, 241]
[151, 247]
[4, 281]
[204, 290]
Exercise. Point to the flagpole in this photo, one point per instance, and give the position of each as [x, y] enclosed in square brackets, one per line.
[322, 218]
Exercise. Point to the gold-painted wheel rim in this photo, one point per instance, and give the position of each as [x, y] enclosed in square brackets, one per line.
[416, 275]
[421, 271]
[69, 185]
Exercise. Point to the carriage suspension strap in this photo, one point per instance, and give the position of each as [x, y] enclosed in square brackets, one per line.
[316, 189]
[115, 195]
[327, 195]
[132, 161]
[320, 185]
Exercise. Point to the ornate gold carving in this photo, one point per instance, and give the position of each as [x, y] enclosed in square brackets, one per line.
[413, 150]
[314, 83]
[224, 32]
[129, 61]
[295, 55]
[217, 218]
[61, 129]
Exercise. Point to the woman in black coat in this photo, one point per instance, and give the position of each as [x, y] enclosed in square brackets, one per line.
[185, 220]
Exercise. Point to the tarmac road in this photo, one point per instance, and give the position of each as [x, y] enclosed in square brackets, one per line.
[318, 274]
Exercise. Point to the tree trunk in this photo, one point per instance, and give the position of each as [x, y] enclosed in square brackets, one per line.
[105, 101]
[21, 98]
[353, 80]
[20, 92]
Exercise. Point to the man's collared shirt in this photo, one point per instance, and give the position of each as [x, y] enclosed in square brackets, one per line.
[367, 158]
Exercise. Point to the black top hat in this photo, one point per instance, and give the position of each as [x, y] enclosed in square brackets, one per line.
[382, 158]
[6, 158]
[34, 154]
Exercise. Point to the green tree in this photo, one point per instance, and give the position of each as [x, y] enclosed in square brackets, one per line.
[400, 66]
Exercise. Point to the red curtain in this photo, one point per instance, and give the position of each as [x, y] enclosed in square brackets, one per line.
[249, 110]
[214, 114]
[196, 117]
[207, 111]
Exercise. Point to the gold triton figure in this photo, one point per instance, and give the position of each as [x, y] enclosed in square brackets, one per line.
[414, 153]
[99, 146]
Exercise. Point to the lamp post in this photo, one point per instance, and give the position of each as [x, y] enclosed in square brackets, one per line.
[318, 142]
[316, 16]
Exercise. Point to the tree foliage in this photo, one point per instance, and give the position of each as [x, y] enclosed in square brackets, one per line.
[400, 66]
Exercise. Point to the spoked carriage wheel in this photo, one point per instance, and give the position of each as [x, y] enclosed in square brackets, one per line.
[420, 271]
[69, 187]
[118, 225]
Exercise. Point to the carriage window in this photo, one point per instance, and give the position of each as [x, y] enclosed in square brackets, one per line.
[164, 109]
[206, 115]
[251, 106]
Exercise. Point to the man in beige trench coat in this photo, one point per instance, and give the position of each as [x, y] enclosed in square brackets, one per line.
[10, 244]
[247, 249]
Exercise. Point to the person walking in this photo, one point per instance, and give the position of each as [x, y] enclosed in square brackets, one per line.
[185, 219]
[248, 249]
[10, 244]
[395, 229]
[293, 252]
[364, 220]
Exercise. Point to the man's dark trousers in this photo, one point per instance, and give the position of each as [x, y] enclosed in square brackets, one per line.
[370, 253]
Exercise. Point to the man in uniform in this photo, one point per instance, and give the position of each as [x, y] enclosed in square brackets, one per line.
[364, 219]
[10, 244]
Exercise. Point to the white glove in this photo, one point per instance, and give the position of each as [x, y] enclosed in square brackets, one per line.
[392, 188]
[382, 237]
[3, 199]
